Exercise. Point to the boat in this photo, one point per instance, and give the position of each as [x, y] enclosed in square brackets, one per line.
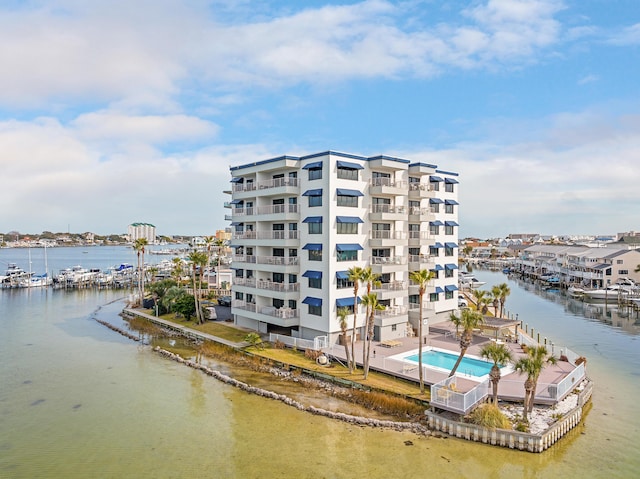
[612, 291]
[575, 291]
[467, 280]
[36, 281]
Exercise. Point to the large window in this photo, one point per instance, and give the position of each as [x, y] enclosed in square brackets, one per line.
[315, 255]
[434, 229]
[448, 295]
[315, 173]
[448, 230]
[315, 310]
[315, 228]
[315, 201]
[347, 173]
[448, 273]
[433, 297]
[448, 187]
[351, 201]
[346, 228]
[315, 283]
[448, 209]
[433, 251]
[347, 256]
[342, 283]
[448, 251]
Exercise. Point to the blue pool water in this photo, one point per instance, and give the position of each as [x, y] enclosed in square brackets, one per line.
[440, 359]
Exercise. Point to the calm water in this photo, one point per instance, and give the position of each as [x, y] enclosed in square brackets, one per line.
[78, 400]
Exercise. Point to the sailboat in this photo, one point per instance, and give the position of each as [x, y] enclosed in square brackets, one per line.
[34, 280]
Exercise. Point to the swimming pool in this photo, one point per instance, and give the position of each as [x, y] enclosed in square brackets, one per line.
[445, 361]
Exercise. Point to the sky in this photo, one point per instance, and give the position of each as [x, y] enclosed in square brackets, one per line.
[113, 112]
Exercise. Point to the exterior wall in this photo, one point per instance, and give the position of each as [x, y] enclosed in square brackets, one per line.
[386, 200]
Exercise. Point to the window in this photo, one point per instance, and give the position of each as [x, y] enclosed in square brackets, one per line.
[350, 201]
[293, 253]
[239, 273]
[278, 252]
[448, 187]
[448, 273]
[315, 283]
[347, 256]
[414, 251]
[381, 253]
[433, 297]
[448, 209]
[277, 303]
[315, 173]
[434, 229]
[448, 251]
[315, 255]
[277, 227]
[315, 228]
[623, 272]
[315, 310]
[293, 304]
[239, 296]
[315, 201]
[435, 186]
[347, 173]
[433, 251]
[393, 327]
[448, 230]
[346, 228]
[278, 278]
[448, 295]
[414, 299]
[293, 278]
[619, 261]
[434, 207]
[342, 283]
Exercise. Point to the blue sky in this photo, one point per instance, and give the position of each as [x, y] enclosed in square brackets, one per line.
[116, 111]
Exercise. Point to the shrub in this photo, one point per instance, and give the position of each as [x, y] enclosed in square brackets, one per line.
[279, 344]
[581, 360]
[312, 354]
[490, 416]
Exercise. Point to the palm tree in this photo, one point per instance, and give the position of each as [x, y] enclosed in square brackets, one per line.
[371, 302]
[481, 299]
[172, 295]
[469, 320]
[457, 322]
[208, 241]
[178, 270]
[504, 292]
[495, 299]
[342, 320]
[421, 278]
[198, 261]
[219, 244]
[500, 355]
[371, 279]
[532, 365]
[354, 274]
[138, 246]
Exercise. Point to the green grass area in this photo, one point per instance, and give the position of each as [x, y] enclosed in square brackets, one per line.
[220, 330]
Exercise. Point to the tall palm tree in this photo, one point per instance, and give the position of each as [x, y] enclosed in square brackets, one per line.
[495, 299]
[354, 274]
[371, 302]
[481, 299]
[457, 322]
[209, 241]
[198, 261]
[342, 320]
[504, 292]
[170, 298]
[532, 365]
[421, 278]
[139, 247]
[178, 270]
[469, 320]
[371, 280]
[500, 355]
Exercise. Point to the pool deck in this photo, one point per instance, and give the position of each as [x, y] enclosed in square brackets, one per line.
[442, 336]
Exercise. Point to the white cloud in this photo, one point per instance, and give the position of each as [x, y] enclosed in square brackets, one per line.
[627, 36]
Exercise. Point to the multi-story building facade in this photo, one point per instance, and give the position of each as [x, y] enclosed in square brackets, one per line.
[300, 223]
[142, 230]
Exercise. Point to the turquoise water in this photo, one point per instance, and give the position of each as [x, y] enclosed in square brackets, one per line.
[446, 361]
[78, 400]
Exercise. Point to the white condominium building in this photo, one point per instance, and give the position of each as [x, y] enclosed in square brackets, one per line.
[142, 230]
[300, 223]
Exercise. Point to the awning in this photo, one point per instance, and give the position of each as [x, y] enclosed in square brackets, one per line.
[237, 202]
[451, 181]
[435, 179]
[348, 219]
[237, 223]
[451, 202]
[315, 192]
[312, 219]
[451, 223]
[436, 223]
[313, 246]
[436, 245]
[312, 301]
[349, 247]
[451, 288]
[342, 302]
[451, 266]
[315, 165]
[450, 245]
[237, 179]
[342, 274]
[348, 192]
[601, 266]
[439, 290]
[312, 274]
[437, 267]
[435, 201]
[349, 166]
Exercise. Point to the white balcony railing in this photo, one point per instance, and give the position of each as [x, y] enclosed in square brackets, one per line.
[276, 235]
[388, 182]
[243, 258]
[391, 286]
[384, 208]
[422, 235]
[387, 234]
[278, 260]
[390, 311]
[387, 260]
[262, 185]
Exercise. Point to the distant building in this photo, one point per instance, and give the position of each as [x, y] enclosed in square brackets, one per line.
[142, 230]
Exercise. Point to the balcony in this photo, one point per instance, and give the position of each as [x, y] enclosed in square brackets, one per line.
[276, 186]
[391, 315]
[387, 213]
[418, 238]
[387, 186]
[252, 236]
[267, 213]
[393, 289]
[243, 258]
[386, 238]
[422, 261]
[420, 190]
[421, 214]
[267, 314]
[387, 264]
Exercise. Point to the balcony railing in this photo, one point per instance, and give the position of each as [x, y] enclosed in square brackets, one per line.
[285, 313]
[276, 235]
[420, 187]
[384, 208]
[262, 185]
[243, 258]
[416, 211]
[391, 286]
[384, 234]
[388, 182]
[423, 235]
[387, 260]
[278, 260]
[276, 209]
[391, 311]
[420, 258]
